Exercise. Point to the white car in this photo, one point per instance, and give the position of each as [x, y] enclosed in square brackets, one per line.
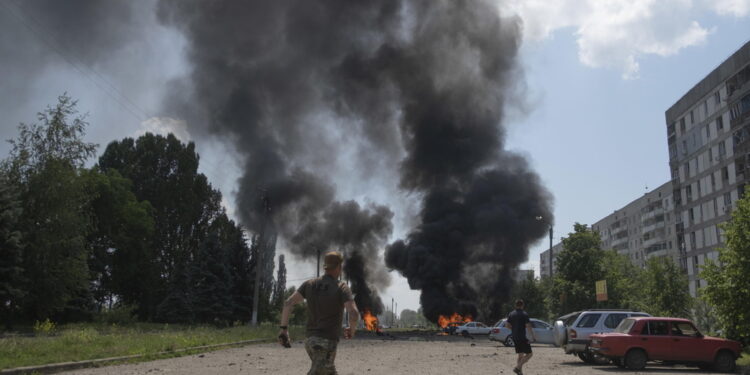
[542, 331]
[473, 328]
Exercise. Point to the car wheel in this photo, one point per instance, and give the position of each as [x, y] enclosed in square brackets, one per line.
[584, 357]
[509, 341]
[636, 359]
[724, 362]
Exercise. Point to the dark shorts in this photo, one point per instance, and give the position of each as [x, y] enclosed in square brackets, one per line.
[523, 346]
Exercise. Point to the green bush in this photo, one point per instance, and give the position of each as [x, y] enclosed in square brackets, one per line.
[44, 328]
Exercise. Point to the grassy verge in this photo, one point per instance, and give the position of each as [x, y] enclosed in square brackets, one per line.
[744, 360]
[78, 342]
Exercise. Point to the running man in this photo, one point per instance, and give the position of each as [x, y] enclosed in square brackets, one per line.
[518, 322]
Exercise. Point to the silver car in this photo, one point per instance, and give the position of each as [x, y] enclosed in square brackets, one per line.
[542, 331]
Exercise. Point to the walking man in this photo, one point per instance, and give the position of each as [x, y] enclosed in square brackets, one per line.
[518, 322]
[326, 299]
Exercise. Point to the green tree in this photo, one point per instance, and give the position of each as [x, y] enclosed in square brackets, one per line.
[164, 172]
[728, 282]
[45, 162]
[11, 271]
[211, 281]
[277, 300]
[666, 289]
[625, 289]
[579, 266]
[121, 255]
[530, 291]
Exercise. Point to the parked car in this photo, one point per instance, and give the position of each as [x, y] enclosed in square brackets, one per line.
[639, 340]
[451, 327]
[572, 331]
[542, 331]
[473, 328]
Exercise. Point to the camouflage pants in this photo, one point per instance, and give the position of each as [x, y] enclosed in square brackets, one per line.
[322, 352]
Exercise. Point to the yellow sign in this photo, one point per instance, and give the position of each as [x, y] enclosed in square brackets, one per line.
[601, 290]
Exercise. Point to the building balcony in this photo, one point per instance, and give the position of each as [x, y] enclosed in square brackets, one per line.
[651, 214]
[653, 227]
[619, 241]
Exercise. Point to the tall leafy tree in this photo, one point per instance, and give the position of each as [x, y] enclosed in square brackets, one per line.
[164, 172]
[728, 281]
[11, 271]
[579, 266]
[625, 289]
[666, 287]
[45, 162]
[531, 292]
[121, 254]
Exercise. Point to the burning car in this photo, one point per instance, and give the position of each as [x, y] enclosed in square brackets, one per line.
[637, 341]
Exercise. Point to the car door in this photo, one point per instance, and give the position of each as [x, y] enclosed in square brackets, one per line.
[656, 340]
[482, 329]
[688, 343]
[469, 328]
[543, 332]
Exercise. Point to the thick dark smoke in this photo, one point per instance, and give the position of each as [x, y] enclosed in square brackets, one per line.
[419, 85]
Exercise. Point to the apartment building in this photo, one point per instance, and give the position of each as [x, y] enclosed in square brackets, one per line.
[708, 132]
[544, 260]
[643, 228]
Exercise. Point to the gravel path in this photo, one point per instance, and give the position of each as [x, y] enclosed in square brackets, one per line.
[368, 355]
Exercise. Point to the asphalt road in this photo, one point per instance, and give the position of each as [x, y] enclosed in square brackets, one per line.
[411, 354]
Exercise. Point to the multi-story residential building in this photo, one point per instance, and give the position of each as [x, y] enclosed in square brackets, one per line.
[544, 260]
[644, 228]
[708, 135]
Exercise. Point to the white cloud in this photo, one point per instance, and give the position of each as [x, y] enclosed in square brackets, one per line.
[164, 126]
[737, 8]
[616, 34]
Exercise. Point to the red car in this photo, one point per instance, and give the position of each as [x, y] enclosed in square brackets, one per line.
[639, 340]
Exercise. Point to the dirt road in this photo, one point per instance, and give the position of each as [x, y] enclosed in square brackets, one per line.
[369, 355]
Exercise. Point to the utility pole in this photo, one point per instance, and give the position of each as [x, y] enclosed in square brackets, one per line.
[318, 263]
[259, 262]
[392, 313]
[551, 256]
[396, 312]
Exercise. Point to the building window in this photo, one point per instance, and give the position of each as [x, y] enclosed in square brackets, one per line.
[717, 98]
[692, 241]
[705, 108]
[727, 199]
[682, 126]
[692, 117]
[710, 154]
[724, 173]
[720, 123]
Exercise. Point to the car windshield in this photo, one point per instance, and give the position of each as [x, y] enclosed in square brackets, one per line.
[625, 326]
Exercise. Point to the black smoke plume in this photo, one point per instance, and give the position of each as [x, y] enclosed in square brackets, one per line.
[418, 85]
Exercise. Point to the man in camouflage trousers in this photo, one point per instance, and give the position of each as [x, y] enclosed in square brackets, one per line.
[326, 299]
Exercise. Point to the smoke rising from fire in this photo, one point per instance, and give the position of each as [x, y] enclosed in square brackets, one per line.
[417, 86]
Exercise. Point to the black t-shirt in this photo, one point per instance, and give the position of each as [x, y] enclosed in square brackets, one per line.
[518, 320]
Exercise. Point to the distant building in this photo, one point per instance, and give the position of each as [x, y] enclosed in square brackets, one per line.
[644, 228]
[708, 136]
[522, 275]
[544, 261]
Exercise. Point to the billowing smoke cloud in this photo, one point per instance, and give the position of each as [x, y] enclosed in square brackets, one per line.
[419, 85]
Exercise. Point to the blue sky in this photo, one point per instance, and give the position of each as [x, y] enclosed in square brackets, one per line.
[597, 139]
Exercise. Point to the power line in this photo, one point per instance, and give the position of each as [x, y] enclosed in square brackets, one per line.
[113, 92]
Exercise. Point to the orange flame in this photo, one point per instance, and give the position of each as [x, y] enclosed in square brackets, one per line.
[444, 320]
[371, 321]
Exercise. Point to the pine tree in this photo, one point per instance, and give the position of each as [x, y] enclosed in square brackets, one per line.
[177, 307]
[211, 281]
[239, 269]
[280, 286]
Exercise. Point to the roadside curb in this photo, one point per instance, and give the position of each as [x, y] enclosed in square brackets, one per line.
[66, 366]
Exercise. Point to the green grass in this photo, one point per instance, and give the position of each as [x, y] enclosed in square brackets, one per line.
[744, 360]
[78, 342]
